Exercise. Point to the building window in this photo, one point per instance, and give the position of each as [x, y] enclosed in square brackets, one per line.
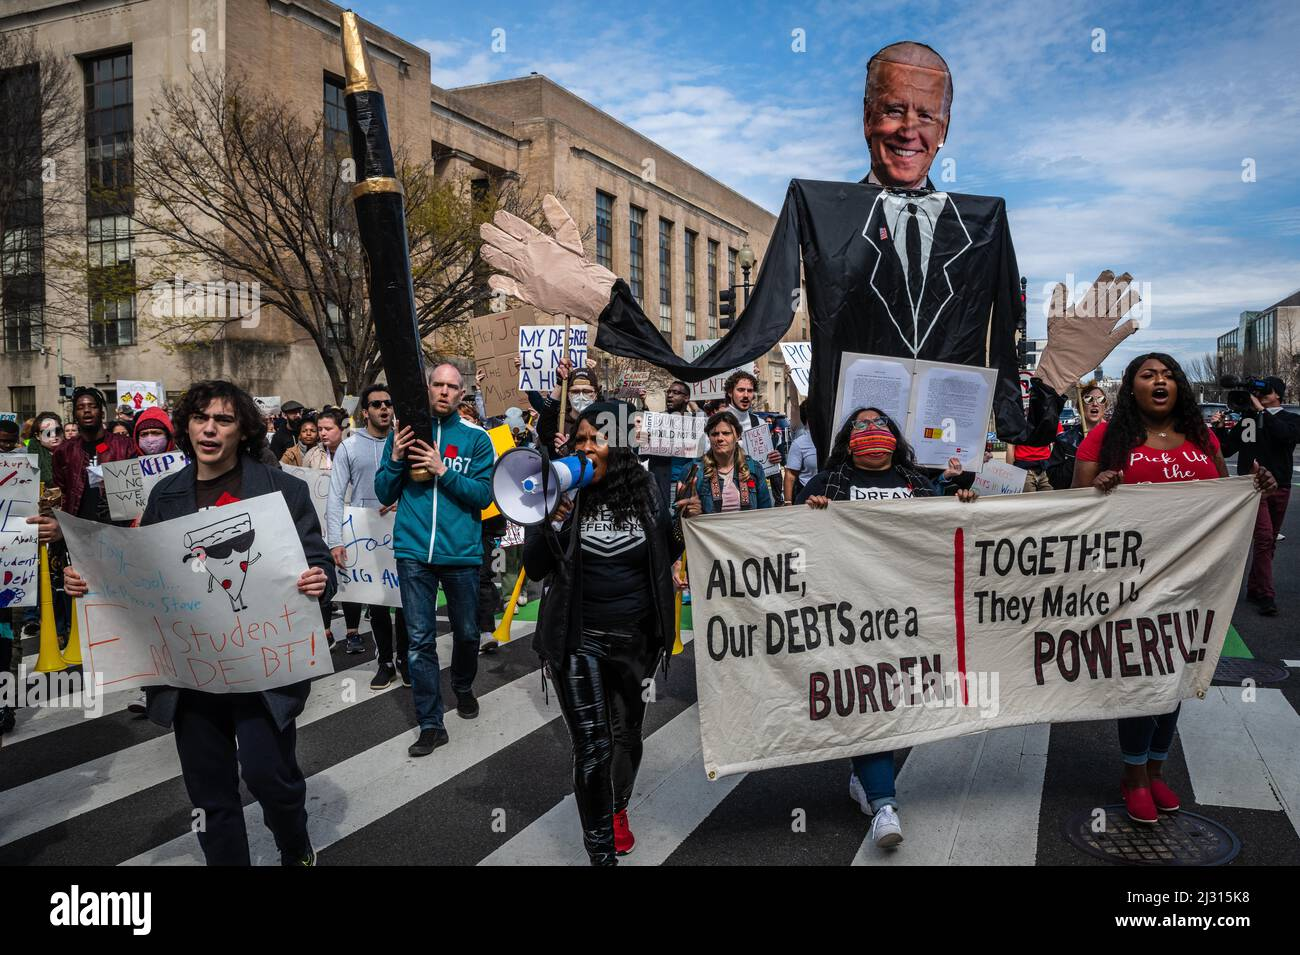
[110, 269]
[337, 138]
[338, 334]
[636, 253]
[689, 249]
[712, 271]
[22, 401]
[665, 276]
[731, 268]
[605, 230]
[22, 248]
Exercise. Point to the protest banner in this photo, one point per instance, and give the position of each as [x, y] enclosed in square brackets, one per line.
[208, 601]
[370, 572]
[127, 484]
[541, 347]
[318, 483]
[942, 409]
[671, 435]
[496, 342]
[268, 406]
[998, 477]
[711, 387]
[758, 445]
[877, 625]
[798, 359]
[514, 535]
[8, 415]
[140, 394]
[20, 482]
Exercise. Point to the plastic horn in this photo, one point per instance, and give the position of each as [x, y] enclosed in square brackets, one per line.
[381, 226]
[502, 632]
[72, 654]
[48, 658]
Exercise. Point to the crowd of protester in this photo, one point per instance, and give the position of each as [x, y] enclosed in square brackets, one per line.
[607, 569]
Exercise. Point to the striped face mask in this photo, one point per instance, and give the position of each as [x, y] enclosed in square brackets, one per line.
[872, 441]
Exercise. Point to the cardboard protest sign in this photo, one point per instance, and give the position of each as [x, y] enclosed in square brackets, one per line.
[998, 477]
[514, 535]
[672, 435]
[711, 387]
[370, 574]
[20, 481]
[268, 406]
[127, 484]
[967, 617]
[758, 445]
[541, 348]
[141, 394]
[208, 601]
[798, 359]
[318, 483]
[496, 342]
[8, 415]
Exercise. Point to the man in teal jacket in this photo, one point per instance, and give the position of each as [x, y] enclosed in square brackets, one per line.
[438, 540]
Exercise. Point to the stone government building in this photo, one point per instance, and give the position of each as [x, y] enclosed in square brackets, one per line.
[669, 229]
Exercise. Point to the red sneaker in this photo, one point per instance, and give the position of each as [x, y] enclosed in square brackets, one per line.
[1166, 799]
[623, 839]
[1141, 807]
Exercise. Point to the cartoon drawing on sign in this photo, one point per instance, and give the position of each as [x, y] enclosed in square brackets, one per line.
[10, 595]
[217, 547]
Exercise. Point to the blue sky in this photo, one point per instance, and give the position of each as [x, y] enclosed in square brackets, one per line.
[1129, 158]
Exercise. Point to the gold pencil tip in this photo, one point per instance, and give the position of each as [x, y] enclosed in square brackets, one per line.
[357, 71]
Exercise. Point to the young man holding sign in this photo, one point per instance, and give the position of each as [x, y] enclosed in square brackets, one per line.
[221, 433]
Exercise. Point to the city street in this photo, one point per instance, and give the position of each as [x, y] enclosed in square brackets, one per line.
[108, 791]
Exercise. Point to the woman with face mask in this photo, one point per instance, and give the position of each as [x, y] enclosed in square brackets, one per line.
[731, 479]
[583, 393]
[870, 460]
[152, 432]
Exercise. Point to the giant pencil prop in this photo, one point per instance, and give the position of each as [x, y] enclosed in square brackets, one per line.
[381, 225]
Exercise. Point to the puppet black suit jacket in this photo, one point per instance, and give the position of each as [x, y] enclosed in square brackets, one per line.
[858, 301]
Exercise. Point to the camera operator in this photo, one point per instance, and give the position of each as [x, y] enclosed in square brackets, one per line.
[1269, 435]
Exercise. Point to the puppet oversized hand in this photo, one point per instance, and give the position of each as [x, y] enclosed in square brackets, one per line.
[1080, 336]
[549, 272]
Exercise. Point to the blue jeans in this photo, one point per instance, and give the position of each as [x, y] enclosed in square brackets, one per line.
[876, 773]
[419, 586]
[1147, 737]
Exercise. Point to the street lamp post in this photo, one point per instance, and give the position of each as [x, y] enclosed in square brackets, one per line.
[745, 259]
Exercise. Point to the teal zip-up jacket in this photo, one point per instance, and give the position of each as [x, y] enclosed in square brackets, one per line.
[439, 521]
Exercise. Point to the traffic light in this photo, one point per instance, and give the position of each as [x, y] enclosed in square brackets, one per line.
[66, 386]
[727, 307]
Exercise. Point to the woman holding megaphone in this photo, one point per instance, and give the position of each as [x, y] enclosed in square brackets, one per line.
[606, 617]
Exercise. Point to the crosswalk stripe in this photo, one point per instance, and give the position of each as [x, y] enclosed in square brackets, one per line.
[973, 800]
[51, 799]
[1243, 752]
[365, 787]
[34, 721]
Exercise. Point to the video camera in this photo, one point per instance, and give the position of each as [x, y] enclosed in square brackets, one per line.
[1238, 391]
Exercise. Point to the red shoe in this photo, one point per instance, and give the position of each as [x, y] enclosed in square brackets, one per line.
[623, 839]
[1141, 807]
[1166, 799]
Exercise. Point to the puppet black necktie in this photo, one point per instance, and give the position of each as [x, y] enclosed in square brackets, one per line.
[913, 237]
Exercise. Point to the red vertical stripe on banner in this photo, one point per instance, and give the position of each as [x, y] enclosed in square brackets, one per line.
[959, 606]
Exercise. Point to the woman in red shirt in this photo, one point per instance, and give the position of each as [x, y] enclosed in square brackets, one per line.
[1156, 435]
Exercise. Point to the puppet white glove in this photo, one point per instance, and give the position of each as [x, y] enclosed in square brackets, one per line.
[548, 272]
[1080, 336]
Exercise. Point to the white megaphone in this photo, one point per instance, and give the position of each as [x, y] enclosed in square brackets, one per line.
[517, 483]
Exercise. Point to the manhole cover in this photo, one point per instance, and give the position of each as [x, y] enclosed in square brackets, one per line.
[1181, 838]
[1233, 671]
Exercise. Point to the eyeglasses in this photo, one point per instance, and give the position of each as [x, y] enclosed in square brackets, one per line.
[381, 403]
[880, 421]
[1095, 400]
[201, 419]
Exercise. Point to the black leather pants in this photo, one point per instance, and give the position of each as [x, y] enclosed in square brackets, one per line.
[600, 691]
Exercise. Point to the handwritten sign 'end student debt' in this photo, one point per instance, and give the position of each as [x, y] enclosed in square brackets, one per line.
[19, 552]
[208, 601]
[540, 349]
[877, 625]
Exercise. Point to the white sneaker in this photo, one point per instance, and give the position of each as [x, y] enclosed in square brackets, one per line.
[858, 794]
[885, 830]
[1281, 537]
[523, 600]
[138, 705]
[487, 643]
